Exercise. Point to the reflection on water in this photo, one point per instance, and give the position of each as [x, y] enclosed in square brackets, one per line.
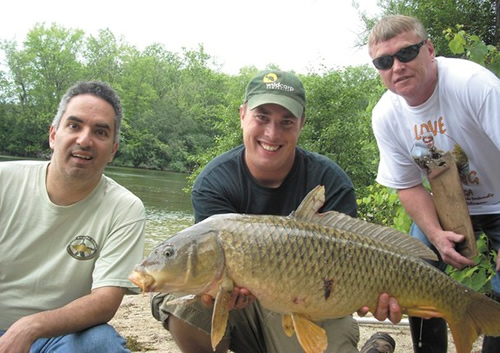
[161, 225]
[168, 207]
[157, 189]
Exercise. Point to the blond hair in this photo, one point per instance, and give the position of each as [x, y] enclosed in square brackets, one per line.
[391, 26]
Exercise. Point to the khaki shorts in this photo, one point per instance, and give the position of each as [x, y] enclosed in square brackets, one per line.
[255, 329]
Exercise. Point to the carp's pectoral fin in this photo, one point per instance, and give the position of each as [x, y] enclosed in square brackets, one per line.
[221, 312]
[287, 323]
[311, 337]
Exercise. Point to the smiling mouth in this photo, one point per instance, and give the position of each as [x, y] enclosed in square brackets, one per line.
[76, 155]
[270, 148]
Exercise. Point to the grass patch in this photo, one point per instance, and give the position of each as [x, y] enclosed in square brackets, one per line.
[136, 346]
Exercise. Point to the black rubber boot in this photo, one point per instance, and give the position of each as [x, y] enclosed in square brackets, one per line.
[429, 336]
[492, 344]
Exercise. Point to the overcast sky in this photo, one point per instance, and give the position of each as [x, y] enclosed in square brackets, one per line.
[293, 34]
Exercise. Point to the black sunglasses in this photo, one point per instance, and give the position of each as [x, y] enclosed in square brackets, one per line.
[404, 55]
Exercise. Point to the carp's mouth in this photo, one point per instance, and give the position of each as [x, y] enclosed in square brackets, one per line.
[142, 280]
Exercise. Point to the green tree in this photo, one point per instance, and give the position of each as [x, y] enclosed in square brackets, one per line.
[473, 48]
[103, 57]
[38, 76]
[173, 101]
[143, 83]
[227, 125]
[53, 65]
[338, 121]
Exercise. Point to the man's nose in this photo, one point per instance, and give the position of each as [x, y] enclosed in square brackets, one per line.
[273, 130]
[84, 138]
[398, 65]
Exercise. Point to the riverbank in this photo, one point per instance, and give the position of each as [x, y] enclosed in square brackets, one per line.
[144, 334]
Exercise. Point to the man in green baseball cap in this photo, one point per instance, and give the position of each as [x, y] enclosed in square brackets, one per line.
[278, 87]
[268, 174]
[272, 118]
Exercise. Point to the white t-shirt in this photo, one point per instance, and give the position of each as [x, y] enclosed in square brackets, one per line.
[462, 115]
[52, 255]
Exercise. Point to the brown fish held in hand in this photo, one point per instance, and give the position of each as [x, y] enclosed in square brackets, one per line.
[310, 266]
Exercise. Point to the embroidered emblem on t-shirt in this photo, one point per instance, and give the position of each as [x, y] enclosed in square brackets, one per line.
[82, 247]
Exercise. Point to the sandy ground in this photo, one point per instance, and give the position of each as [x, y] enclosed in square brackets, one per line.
[144, 334]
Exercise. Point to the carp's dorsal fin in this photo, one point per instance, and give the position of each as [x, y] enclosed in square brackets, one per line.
[392, 236]
[308, 211]
[220, 314]
[311, 204]
[311, 337]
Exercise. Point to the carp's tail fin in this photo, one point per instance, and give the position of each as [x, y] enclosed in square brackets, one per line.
[482, 317]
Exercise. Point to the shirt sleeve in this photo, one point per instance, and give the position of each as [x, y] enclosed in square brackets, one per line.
[489, 114]
[123, 249]
[396, 167]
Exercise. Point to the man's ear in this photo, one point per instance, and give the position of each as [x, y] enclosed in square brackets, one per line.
[242, 114]
[113, 152]
[52, 136]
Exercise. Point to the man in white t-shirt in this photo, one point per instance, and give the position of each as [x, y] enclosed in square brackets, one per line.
[434, 105]
[69, 235]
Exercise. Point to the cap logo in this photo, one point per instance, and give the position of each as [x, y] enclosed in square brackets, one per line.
[270, 81]
[270, 77]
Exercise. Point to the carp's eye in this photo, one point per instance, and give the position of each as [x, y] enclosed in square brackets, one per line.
[169, 251]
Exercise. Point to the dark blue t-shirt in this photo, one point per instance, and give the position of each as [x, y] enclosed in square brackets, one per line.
[226, 186]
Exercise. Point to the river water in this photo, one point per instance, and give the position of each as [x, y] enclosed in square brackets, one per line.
[168, 206]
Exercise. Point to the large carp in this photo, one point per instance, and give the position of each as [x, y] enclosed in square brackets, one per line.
[310, 266]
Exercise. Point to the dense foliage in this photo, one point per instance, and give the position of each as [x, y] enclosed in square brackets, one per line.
[170, 101]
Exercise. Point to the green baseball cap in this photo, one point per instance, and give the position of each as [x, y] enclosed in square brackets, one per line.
[277, 87]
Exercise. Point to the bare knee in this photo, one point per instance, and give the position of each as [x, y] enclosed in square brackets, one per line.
[191, 339]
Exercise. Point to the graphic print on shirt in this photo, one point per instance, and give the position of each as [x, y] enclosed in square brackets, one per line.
[431, 141]
[82, 247]
[425, 152]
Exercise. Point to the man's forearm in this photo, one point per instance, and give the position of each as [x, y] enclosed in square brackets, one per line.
[96, 308]
[417, 202]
